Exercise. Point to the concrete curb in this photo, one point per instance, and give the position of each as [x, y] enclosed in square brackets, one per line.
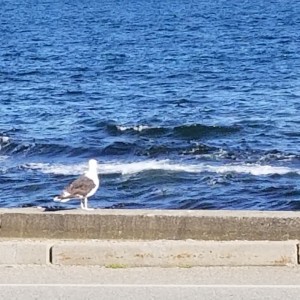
[150, 225]
[24, 252]
[174, 253]
[159, 253]
[132, 238]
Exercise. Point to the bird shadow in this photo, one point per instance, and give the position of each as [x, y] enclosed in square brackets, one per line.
[56, 208]
[48, 208]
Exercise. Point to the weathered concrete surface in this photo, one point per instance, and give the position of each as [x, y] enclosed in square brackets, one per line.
[148, 292]
[213, 283]
[93, 275]
[155, 253]
[174, 253]
[150, 224]
[24, 252]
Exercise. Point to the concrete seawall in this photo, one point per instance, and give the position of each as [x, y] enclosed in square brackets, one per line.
[125, 238]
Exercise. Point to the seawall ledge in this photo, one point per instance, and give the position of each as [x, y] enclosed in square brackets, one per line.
[107, 224]
[149, 212]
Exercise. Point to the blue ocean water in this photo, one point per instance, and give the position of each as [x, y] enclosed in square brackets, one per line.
[185, 104]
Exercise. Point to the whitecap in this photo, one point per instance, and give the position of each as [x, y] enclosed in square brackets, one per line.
[253, 169]
[138, 128]
[4, 139]
[164, 165]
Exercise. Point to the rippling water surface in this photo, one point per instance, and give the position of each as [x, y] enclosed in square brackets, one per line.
[185, 104]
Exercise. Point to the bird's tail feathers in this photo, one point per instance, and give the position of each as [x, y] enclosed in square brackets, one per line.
[57, 198]
[64, 196]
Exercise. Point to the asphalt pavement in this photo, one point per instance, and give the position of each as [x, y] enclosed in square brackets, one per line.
[116, 282]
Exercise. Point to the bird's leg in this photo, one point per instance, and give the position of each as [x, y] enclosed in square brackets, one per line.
[81, 204]
[85, 204]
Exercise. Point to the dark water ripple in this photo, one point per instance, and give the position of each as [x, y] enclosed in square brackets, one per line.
[186, 104]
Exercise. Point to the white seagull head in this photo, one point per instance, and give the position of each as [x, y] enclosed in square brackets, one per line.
[93, 164]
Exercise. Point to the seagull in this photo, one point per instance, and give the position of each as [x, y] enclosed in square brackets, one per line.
[82, 188]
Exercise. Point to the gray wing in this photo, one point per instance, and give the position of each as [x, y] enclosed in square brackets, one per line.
[81, 186]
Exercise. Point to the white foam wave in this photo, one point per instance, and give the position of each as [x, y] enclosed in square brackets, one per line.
[138, 128]
[165, 165]
[254, 169]
[4, 139]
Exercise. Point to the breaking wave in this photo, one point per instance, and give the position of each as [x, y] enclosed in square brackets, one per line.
[192, 131]
[163, 165]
